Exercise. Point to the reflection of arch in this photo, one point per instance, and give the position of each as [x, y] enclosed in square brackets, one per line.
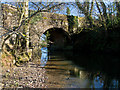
[58, 37]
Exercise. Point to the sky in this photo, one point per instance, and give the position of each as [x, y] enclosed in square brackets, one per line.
[73, 10]
[54, 0]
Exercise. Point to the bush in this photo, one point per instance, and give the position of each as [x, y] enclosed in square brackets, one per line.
[96, 40]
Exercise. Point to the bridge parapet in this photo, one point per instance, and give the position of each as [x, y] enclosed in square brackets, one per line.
[45, 21]
[49, 20]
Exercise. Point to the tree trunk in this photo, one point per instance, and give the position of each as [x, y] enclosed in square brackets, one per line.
[26, 27]
[0, 43]
[1, 32]
[90, 14]
[85, 10]
[102, 16]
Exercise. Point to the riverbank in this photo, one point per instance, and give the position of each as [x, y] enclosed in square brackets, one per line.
[61, 72]
[32, 75]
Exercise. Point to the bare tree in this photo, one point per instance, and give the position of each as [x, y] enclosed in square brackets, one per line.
[86, 8]
[118, 8]
[22, 38]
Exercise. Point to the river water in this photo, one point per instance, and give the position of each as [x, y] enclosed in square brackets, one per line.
[65, 69]
[75, 70]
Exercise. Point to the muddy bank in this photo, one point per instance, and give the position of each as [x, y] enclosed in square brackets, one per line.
[33, 76]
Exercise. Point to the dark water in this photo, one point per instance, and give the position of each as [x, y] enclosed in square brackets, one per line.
[82, 70]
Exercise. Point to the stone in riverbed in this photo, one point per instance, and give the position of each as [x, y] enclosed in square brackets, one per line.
[8, 70]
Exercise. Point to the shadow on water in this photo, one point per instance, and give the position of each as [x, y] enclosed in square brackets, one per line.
[106, 63]
[104, 68]
[87, 70]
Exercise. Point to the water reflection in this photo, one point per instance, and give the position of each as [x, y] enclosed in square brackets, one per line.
[98, 82]
[44, 56]
[114, 84]
[79, 76]
[95, 79]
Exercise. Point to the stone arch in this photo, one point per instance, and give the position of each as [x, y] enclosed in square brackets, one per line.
[58, 38]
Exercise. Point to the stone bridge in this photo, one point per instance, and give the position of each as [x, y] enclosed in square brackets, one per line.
[59, 26]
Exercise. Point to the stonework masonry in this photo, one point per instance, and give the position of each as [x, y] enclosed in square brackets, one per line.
[46, 21]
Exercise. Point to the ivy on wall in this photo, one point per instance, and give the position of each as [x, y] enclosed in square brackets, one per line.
[35, 19]
[72, 22]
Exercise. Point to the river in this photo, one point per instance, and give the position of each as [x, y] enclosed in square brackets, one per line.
[82, 70]
[65, 69]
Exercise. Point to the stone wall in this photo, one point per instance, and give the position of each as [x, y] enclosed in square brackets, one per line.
[44, 22]
[10, 16]
[47, 21]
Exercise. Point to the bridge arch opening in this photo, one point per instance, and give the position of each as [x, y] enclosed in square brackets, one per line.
[57, 38]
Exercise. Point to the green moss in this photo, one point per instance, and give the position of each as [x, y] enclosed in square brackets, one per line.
[3, 55]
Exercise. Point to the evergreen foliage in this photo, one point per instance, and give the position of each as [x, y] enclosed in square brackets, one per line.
[68, 11]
